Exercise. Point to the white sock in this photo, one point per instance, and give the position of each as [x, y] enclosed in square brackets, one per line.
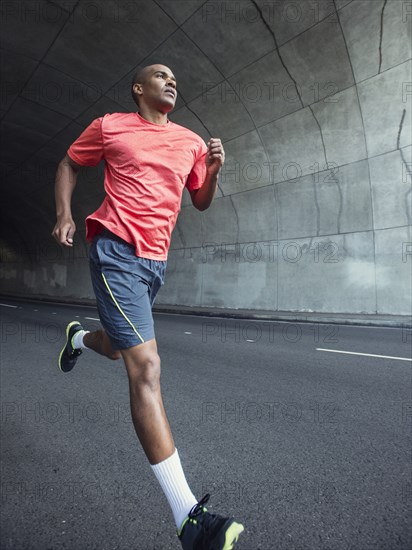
[170, 475]
[77, 340]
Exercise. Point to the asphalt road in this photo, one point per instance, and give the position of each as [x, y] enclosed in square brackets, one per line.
[309, 449]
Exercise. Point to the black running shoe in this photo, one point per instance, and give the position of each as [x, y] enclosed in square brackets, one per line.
[204, 531]
[68, 355]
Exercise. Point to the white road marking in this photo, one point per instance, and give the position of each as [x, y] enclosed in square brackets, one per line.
[92, 318]
[8, 305]
[365, 354]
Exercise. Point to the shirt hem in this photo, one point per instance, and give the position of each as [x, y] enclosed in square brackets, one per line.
[126, 238]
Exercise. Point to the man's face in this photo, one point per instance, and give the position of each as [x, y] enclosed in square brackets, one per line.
[158, 88]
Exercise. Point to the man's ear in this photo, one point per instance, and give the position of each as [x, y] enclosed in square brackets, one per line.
[137, 89]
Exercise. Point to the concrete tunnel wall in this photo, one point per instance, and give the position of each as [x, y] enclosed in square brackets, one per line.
[312, 101]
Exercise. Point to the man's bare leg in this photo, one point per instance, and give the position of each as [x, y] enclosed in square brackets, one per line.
[146, 403]
[153, 429]
[149, 417]
[99, 342]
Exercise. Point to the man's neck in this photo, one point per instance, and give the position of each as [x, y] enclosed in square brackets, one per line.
[157, 117]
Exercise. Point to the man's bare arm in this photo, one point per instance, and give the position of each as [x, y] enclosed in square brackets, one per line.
[202, 198]
[66, 179]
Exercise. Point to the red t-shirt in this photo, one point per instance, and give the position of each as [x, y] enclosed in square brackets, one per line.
[147, 166]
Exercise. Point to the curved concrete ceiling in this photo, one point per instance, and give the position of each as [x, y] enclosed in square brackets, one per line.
[256, 73]
[66, 62]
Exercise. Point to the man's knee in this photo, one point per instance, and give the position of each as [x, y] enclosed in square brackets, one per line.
[108, 350]
[144, 370]
[114, 355]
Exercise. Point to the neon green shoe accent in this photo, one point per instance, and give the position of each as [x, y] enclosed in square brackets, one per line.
[180, 531]
[67, 339]
[120, 309]
[191, 520]
[232, 535]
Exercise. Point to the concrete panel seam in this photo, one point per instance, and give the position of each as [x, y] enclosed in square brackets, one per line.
[59, 6]
[237, 218]
[277, 49]
[381, 37]
[208, 131]
[321, 135]
[181, 234]
[187, 19]
[315, 194]
[408, 171]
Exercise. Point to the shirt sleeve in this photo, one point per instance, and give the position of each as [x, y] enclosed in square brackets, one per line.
[198, 173]
[88, 150]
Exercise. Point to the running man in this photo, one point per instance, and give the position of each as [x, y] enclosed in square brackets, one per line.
[148, 162]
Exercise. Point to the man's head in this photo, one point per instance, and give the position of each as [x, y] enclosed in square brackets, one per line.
[155, 86]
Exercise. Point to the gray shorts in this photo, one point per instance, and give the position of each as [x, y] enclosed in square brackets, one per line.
[125, 286]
